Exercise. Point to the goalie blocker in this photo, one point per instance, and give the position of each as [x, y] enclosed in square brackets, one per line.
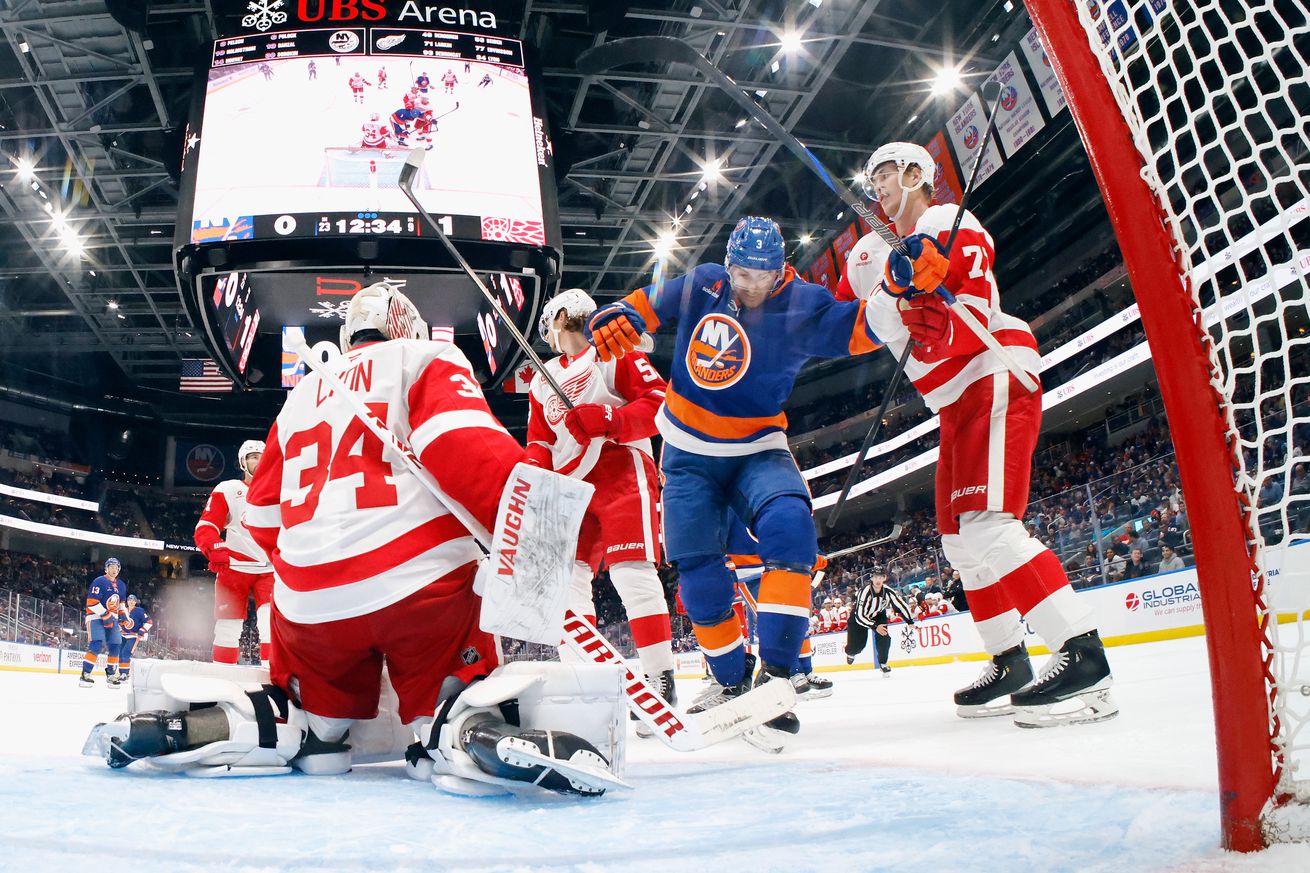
[527, 728]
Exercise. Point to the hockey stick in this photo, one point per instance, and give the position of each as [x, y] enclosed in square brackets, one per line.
[408, 173]
[681, 732]
[447, 112]
[872, 435]
[963, 311]
[645, 49]
[894, 535]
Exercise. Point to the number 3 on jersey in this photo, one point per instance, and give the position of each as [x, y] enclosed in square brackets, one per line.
[358, 452]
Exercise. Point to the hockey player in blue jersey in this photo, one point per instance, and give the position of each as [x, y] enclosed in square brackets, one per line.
[748, 566]
[135, 628]
[401, 120]
[104, 608]
[745, 328]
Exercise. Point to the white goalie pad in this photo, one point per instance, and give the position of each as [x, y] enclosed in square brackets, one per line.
[524, 581]
[582, 699]
[173, 686]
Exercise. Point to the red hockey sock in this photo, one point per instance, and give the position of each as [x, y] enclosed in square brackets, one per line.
[226, 654]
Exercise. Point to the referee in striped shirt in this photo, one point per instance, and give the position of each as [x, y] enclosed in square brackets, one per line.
[873, 606]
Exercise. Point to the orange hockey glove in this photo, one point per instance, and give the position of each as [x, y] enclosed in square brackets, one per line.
[615, 330]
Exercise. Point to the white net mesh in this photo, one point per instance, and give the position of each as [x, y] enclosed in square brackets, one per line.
[363, 168]
[1216, 98]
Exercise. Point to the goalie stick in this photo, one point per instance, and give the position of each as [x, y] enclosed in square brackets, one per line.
[1024, 378]
[408, 173]
[681, 732]
[645, 49]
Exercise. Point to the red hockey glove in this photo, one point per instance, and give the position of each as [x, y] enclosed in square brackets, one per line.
[928, 320]
[219, 559]
[615, 330]
[591, 421]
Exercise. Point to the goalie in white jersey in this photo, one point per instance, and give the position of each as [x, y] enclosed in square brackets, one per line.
[989, 430]
[373, 569]
[605, 440]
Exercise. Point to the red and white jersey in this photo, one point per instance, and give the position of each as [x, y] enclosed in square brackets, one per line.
[843, 613]
[814, 624]
[449, 78]
[827, 619]
[629, 384]
[970, 280]
[348, 529]
[357, 82]
[375, 134]
[221, 522]
[382, 74]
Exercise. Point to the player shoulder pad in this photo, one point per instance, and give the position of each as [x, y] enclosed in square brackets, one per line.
[228, 487]
[938, 219]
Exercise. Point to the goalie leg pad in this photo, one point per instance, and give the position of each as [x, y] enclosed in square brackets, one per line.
[478, 742]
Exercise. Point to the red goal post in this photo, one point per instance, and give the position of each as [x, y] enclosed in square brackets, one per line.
[1157, 96]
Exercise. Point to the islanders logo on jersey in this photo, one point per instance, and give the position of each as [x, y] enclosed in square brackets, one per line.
[719, 353]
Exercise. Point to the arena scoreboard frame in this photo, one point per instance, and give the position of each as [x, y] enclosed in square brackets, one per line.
[289, 188]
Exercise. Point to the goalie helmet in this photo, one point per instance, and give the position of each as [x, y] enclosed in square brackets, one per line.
[383, 307]
[576, 302]
[904, 155]
[249, 447]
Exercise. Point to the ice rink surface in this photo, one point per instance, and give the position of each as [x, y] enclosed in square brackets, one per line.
[883, 776]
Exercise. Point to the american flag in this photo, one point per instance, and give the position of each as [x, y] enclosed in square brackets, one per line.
[203, 375]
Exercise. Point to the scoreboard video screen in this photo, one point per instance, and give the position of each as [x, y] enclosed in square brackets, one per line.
[303, 134]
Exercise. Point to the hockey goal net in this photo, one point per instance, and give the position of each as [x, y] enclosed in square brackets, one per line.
[365, 168]
[1194, 117]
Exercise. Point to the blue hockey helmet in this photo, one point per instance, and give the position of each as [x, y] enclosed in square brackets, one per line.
[756, 243]
[113, 562]
[132, 598]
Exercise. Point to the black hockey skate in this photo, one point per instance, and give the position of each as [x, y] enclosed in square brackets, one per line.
[561, 762]
[664, 687]
[1004, 675]
[1079, 674]
[811, 686]
[85, 680]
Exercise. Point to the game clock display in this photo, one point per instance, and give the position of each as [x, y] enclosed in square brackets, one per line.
[303, 134]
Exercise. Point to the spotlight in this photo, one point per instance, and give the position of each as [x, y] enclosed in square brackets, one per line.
[946, 80]
[711, 171]
[791, 42]
[26, 170]
[805, 239]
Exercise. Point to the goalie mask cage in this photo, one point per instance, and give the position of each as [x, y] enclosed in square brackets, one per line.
[1194, 115]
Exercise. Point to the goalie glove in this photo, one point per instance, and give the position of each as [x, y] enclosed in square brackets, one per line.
[591, 421]
[923, 269]
[614, 329]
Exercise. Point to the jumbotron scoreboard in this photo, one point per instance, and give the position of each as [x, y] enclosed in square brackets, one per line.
[290, 196]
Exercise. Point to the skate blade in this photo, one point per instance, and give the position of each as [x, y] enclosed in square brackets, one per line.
[102, 737]
[590, 774]
[1095, 706]
[984, 710]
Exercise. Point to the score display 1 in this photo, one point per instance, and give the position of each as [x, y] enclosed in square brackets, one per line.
[303, 134]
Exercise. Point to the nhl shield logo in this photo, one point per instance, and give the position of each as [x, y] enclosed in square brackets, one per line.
[719, 353]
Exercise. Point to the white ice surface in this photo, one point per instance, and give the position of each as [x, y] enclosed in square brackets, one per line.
[883, 777]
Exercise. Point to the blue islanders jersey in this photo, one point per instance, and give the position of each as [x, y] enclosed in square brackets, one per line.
[733, 368]
[137, 622]
[104, 600]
